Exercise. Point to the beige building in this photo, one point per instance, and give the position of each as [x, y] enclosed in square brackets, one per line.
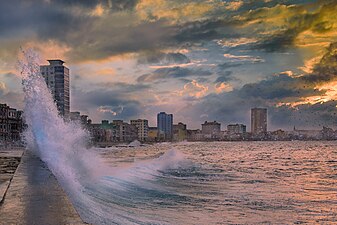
[142, 127]
[179, 132]
[152, 134]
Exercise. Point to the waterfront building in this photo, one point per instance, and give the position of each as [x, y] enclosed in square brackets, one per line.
[152, 134]
[56, 76]
[258, 121]
[211, 130]
[165, 126]
[103, 133]
[125, 132]
[11, 124]
[194, 135]
[142, 127]
[77, 117]
[179, 132]
[236, 129]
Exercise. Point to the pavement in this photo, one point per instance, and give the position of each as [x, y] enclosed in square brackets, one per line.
[34, 197]
[9, 161]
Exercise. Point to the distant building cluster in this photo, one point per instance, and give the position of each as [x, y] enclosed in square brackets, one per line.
[107, 132]
[57, 79]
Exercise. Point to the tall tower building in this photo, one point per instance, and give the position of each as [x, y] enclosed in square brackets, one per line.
[258, 120]
[165, 125]
[57, 79]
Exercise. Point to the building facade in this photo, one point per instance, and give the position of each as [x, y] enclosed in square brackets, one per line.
[153, 134]
[56, 76]
[11, 124]
[142, 127]
[258, 121]
[211, 130]
[236, 129]
[125, 132]
[179, 132]
[165, 126]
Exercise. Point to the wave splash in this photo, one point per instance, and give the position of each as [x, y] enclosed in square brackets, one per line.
[62, 146]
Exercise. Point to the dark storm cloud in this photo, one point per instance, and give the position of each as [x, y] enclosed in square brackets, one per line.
[227, 65]
[29, 17]
[122, 39]
[121, 87]
[106, 102]
[299, 19]
[205, 30]
[326, 69]
[276, 87]
[304, 116]
[224, 76]
[174, 72]
[163, 58]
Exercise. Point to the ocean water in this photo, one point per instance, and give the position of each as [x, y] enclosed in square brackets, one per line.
[217, 183]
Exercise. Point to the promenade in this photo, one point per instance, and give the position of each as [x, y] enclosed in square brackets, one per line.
[34, 196]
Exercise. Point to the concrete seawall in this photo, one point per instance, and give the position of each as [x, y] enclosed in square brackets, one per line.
[35, 197]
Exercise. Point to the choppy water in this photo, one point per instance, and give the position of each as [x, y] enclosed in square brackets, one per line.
[217, 183]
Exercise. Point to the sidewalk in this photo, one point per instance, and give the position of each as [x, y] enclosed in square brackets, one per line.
[9, 161]
[34, 197]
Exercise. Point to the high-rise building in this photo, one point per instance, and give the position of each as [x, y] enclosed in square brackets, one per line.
[258, 120]
[165, 125]
[142, 127]
[57, 79]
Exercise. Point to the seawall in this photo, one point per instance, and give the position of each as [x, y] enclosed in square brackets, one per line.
[35, 197]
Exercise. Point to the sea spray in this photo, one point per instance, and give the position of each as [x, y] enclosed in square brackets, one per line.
[62, 146]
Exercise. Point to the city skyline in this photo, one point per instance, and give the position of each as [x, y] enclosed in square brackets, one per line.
[199, 60]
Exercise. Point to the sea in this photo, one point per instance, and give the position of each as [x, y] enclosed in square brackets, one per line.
[292, 182]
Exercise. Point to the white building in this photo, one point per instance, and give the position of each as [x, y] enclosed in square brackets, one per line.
[143, 128]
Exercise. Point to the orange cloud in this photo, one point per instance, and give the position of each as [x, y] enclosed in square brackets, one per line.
[223, 87]
[194, 89]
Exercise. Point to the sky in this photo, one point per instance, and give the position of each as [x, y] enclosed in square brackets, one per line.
[198, 59]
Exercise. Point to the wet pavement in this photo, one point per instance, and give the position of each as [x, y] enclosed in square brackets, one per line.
[34, 197]
[9, 161]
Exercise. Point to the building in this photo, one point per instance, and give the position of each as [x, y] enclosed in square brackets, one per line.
[104, 133]
[194, 135]
[125, 132]
[179, 132]
[57, 79]
[165, 126]
[236, 129]
[77, 117]
[211, 130]
[142, 127]
[11, 124]
[152, 134]
[258, 121]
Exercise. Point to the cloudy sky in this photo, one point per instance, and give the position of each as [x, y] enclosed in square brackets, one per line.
[198, 59]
